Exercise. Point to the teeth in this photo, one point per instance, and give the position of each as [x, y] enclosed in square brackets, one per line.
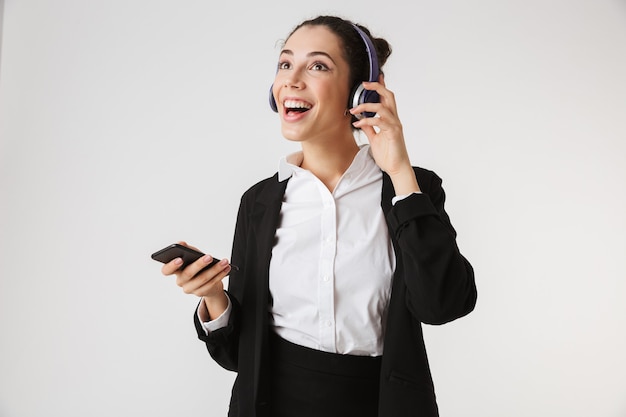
[293, 104]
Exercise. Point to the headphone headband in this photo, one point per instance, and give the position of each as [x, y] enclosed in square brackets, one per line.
[360, 95]
[372, 57]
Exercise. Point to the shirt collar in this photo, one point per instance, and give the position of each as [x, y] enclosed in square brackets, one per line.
[290, 164]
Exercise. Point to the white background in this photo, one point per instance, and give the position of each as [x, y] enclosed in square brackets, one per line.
[126, 125]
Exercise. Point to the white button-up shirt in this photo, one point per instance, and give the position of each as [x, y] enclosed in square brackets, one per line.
[333, 261]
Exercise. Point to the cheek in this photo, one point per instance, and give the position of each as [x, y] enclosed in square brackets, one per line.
[336, 95]
[279, 81]
[276, 87]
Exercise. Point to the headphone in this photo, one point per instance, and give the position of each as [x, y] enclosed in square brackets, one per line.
[359, 94]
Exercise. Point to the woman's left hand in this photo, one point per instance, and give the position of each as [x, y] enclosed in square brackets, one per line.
[386, 137]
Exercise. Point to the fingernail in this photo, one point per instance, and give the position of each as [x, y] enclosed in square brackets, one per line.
[207, 259]
[224, 262]
[178, 261]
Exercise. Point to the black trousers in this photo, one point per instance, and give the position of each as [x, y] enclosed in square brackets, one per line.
[309, 383]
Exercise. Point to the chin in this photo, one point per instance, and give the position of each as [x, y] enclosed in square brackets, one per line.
[291, 134]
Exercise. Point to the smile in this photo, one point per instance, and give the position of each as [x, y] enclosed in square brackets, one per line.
[296, 106]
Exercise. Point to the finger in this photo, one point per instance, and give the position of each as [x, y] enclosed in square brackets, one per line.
[387, 97]
[202, 283]
[385, 110]
[188, 245]
[382, 112]
[206, 264]
[205, 286]
[193, 269]
[359, 110]
[369, 132]
[384, 122]
[171, 267]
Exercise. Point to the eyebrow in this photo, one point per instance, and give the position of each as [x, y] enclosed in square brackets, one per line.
[310, 54]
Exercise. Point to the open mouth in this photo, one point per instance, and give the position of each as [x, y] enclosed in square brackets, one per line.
[296, 106]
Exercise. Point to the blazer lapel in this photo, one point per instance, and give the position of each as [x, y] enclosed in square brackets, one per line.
[263, 222]
[264, 218]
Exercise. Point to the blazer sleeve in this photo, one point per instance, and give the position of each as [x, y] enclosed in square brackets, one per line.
[439, 280]
[223, 344]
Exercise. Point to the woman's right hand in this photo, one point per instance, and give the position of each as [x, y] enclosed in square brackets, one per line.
[206, 284]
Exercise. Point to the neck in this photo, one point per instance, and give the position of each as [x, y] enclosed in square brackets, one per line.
[329, 160]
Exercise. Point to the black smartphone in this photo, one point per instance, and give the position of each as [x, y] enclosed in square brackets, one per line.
[188, 255]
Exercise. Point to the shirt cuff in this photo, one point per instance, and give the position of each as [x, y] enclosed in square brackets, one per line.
[402, 197]
[218, 323]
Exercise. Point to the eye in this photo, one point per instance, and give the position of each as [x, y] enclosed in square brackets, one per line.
[284, 65]
[318, 66]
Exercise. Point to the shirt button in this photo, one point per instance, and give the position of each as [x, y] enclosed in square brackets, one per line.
[329, 323]
[326, 278]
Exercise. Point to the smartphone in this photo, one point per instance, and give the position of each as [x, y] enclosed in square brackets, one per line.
[188, 255]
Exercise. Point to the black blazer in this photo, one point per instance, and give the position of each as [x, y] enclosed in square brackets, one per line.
[433, 283]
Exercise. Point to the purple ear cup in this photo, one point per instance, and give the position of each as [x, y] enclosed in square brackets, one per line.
[273, 104]
[359, 95]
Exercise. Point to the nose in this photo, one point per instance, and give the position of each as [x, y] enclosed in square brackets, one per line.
[293, 81]
[287, 83]
[286, 80]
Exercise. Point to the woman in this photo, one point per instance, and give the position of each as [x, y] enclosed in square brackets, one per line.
[342, 254]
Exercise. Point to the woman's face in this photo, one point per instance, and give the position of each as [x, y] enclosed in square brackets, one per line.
[311, 86]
